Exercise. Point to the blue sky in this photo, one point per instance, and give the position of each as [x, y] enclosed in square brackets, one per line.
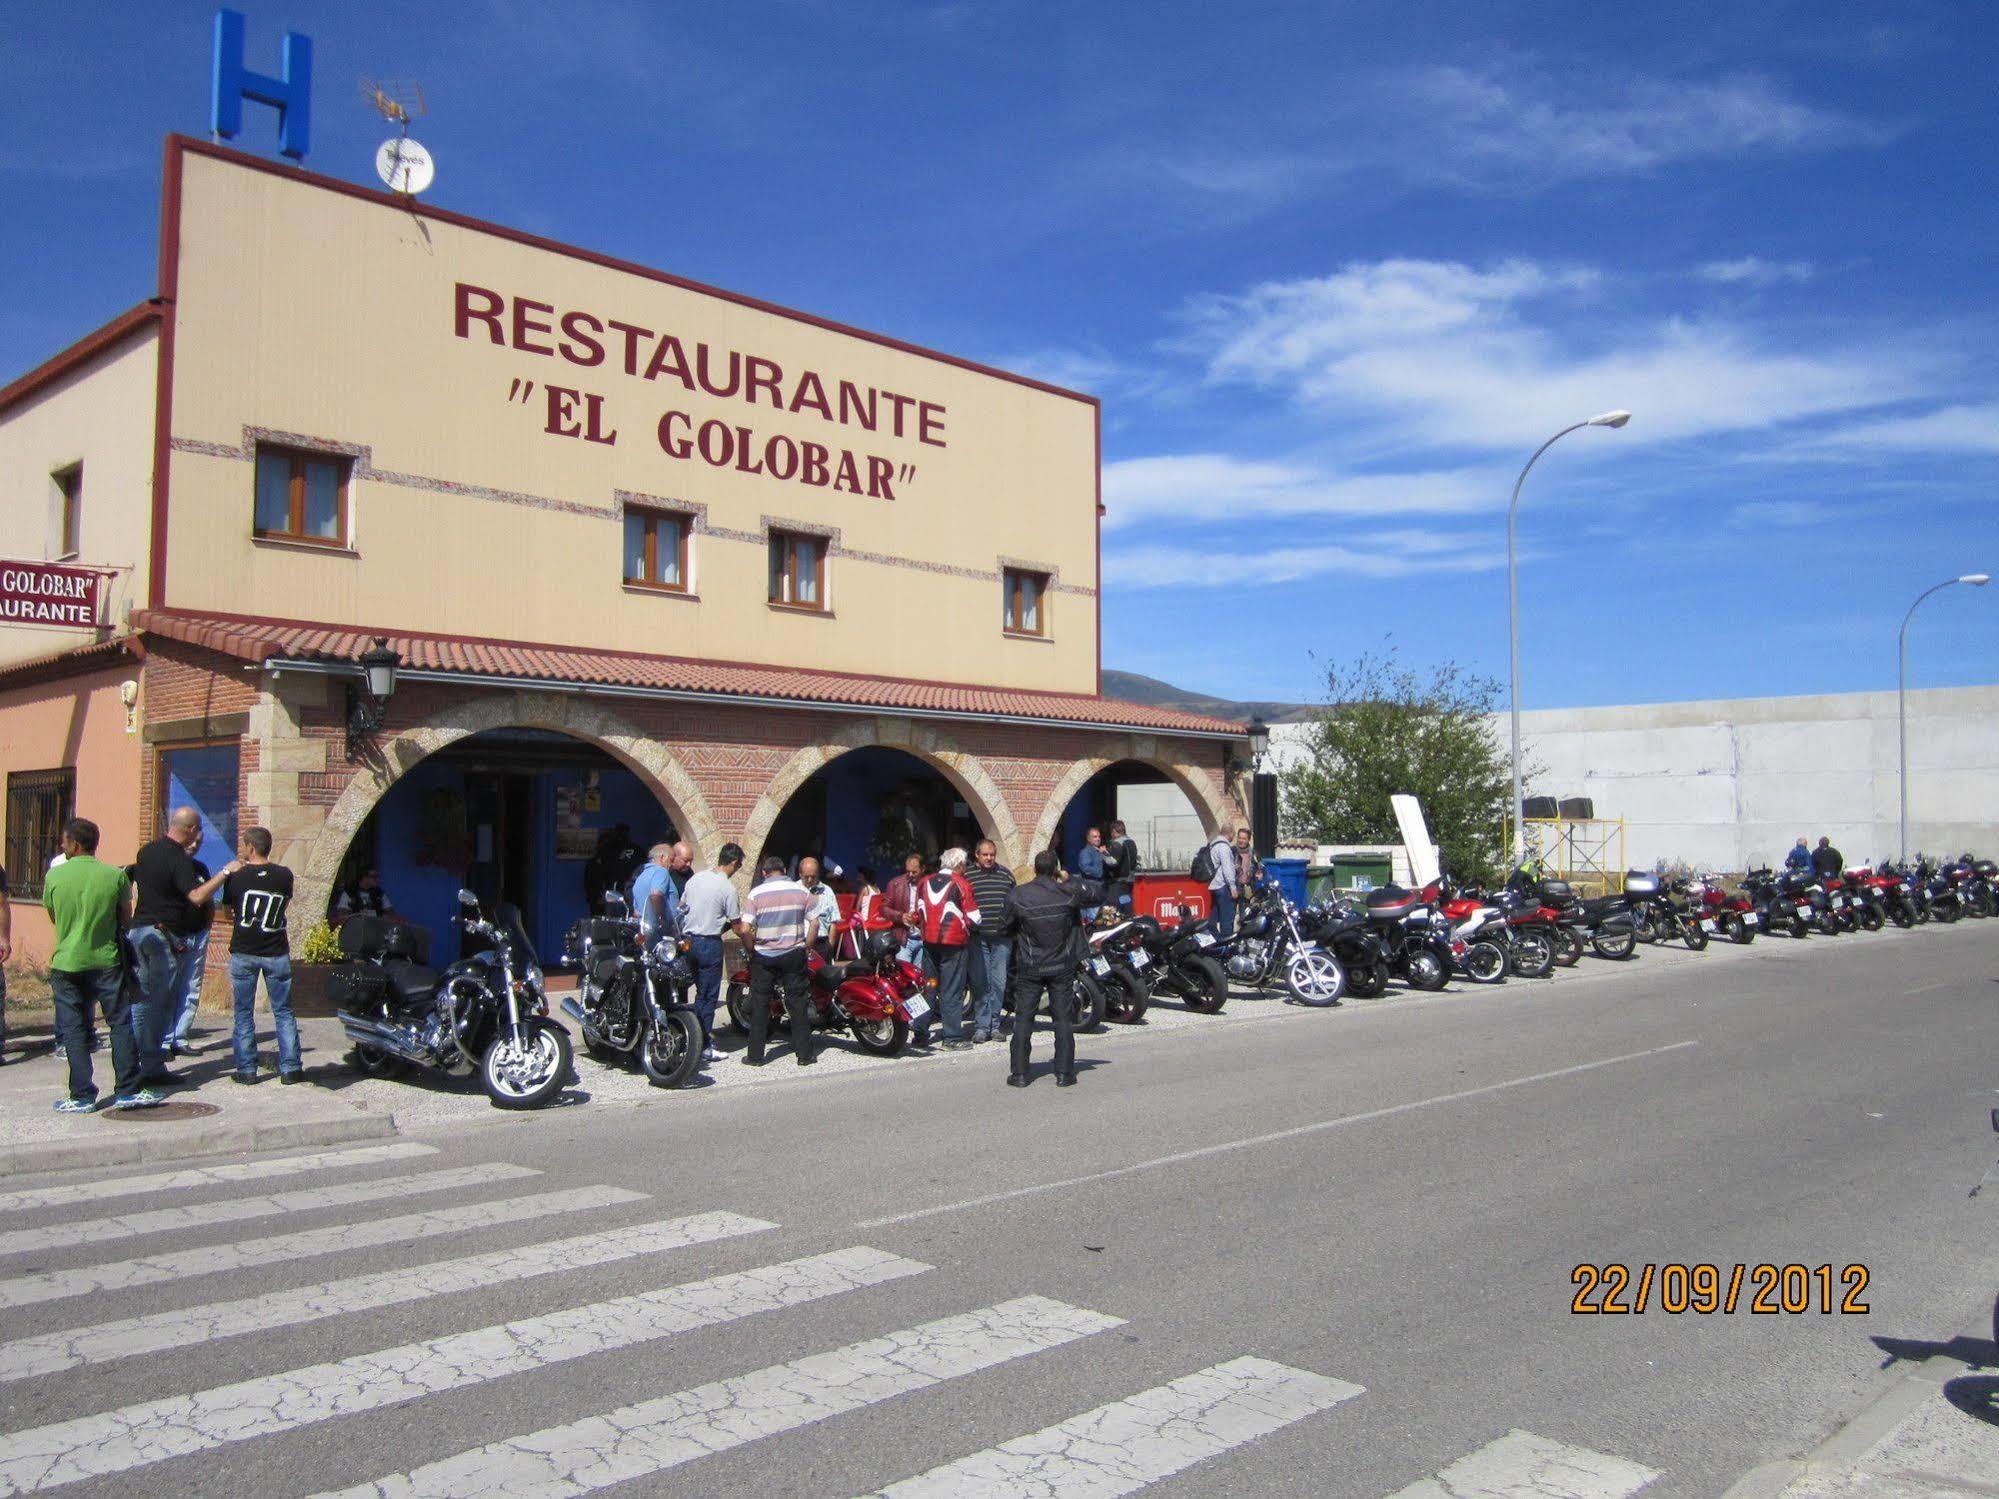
[1334, 270]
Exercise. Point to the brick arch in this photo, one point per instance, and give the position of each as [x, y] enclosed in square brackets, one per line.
[930, 743]
[1216, 809]
[652, 762]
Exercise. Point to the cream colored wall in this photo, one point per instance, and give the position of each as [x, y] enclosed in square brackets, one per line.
[302, 310]
[101, 417]
[80, 722]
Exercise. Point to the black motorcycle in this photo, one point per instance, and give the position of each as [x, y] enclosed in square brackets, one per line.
[1268, 949]
[1783, 910]
[1415, 938]
[1112, 982]
[631, 997]
[1664, 910]
[1605, 922]
[1344, 931]
[1179, 963]
[486, 1013]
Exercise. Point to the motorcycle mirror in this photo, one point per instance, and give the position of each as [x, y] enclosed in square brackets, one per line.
[467, 898]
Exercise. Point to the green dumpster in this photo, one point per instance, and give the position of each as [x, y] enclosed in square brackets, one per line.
[1318, 882]
[1362, 871]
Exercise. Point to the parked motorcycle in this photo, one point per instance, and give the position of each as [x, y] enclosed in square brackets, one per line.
[1781, 909]
[1479, 927]
[1414, 935]
[486, 1013]
[876, 1001]
[1114, 975]
[1723, 913]
[1663, 911]
[1973, 881]
[1345, 931]
[630, 997]
[1268, 949]
[1180, 962]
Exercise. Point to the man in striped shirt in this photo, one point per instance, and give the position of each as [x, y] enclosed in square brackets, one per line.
[991, 883]
[778, 929]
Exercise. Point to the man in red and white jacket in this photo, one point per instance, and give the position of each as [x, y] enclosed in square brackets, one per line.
[949, 910]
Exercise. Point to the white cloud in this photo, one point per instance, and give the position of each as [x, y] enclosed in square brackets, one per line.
[1383, 555]
[1949, 429]
[1196, 487]
[1443, 354]
[1500, 117]
[1752, 271]
[1086, 370]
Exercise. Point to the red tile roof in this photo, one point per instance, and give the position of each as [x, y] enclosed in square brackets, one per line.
[264, 640]
[68, 661]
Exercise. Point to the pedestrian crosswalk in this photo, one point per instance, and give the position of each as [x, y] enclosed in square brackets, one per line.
[359, 1378]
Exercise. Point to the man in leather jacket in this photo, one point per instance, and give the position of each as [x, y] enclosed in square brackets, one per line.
[1044, 919]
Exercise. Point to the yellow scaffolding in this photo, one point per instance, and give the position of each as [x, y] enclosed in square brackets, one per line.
[1587, 852]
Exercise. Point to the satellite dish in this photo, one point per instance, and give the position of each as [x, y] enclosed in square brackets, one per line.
[405, 166]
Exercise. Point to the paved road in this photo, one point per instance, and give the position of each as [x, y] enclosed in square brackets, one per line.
[1325, 1254]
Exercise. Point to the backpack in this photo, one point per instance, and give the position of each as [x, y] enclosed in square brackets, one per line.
[1203, 867]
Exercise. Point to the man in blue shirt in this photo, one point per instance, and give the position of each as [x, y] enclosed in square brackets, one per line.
[655, 901]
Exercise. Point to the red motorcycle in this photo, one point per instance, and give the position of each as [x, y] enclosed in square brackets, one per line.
[1733, 916]
[875, 1001]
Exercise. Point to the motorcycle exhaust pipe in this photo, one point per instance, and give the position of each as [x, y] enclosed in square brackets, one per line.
[386, 1038]
[572, 1009]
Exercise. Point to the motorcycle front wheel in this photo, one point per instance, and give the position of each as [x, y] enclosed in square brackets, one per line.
[1533, 954]
[1829, 925]
[1315, 978]
[880, 1038]
[528, 1074]
[1125, 997]
[1871, 919]
[738, 1002]
[1693, 934]
[1484, 963]
[670, 1052]
[1205, 985]
[1569, 947]
[1616, 946]
[1427, 972]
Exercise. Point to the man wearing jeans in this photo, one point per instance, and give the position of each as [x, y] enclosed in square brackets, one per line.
[260, 894]
[86, 905]
[991, 883]
[193, 968]
[708, 908]
[163, 917]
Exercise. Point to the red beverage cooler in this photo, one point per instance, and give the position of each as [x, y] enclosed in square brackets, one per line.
[1161, 893]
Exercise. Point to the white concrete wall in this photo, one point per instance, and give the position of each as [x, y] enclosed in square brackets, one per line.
[1162, 822]
[1729, 783]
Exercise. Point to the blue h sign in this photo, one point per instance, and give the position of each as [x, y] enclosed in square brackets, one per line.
[290, 94]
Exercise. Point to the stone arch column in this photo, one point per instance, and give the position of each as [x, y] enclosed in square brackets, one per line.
[1201, 783]
[931, 743]
[316, 860]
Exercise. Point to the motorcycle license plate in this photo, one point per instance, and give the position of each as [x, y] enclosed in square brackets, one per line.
[1710, 925]
[1750, 918]
[1141, 960]
[1204, 939]
[915, 1008]
[1100, 966]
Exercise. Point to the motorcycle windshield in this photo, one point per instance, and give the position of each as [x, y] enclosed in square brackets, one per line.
[507, 918]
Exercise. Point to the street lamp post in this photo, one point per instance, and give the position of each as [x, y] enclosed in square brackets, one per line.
[1608, 419]
[1976, 580]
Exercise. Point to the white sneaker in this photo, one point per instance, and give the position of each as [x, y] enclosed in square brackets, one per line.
[709, 1054]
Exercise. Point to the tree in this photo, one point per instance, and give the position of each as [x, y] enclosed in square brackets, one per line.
[1385, 729]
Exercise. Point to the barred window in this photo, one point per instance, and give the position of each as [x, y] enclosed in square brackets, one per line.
[39, 803]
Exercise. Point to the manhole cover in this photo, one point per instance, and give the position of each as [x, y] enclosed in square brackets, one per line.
[187, 1109]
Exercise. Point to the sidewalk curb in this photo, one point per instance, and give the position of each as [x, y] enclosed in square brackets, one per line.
[208, 1139]
[1857, 1437]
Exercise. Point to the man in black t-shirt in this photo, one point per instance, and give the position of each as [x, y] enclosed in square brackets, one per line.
[260, 894]
[164, 916]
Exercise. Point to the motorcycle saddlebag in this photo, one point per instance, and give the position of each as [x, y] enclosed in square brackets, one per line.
[360, 987]
[1555, 892]
[1639, 883]
[1985, 868]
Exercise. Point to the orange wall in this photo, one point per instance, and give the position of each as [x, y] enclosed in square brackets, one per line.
[78, 721]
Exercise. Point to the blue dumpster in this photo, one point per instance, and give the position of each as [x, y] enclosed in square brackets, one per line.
[1289, 876]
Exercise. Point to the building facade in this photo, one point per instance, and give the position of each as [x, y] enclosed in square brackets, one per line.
[648, 555]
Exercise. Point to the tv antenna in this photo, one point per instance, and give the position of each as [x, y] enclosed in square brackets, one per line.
[403, 164]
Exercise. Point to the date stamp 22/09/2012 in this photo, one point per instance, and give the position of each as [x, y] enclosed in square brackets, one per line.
[1765, 1290]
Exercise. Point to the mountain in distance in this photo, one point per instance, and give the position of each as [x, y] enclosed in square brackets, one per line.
[1131, 687]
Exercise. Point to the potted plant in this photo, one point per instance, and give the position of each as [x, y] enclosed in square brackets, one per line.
[311, 970]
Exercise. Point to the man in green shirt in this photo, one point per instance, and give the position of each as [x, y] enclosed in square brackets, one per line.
[85, 899]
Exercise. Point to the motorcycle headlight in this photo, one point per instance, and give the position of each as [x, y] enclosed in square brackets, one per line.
[532, 976]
